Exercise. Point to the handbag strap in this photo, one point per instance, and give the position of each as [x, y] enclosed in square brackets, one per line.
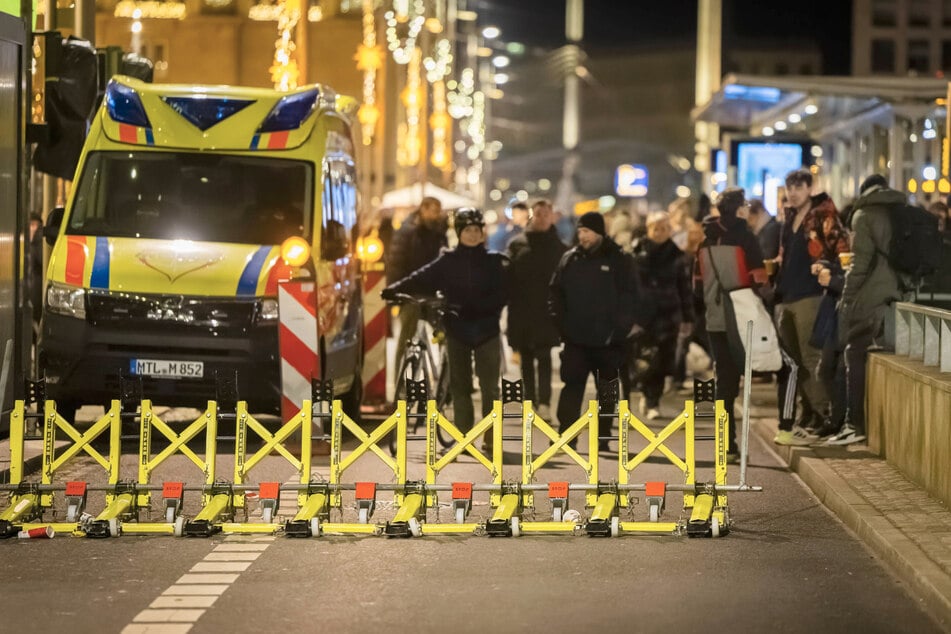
[716, 274]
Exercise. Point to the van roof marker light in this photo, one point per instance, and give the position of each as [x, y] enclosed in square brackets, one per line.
[125, 106]
[204, 112]
[291, 111]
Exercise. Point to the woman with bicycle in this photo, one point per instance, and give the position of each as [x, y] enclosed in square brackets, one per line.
[474, 283]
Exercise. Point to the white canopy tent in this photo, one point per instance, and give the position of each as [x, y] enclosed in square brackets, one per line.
[411, 197]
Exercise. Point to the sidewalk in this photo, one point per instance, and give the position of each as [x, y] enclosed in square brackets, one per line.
[900, 522]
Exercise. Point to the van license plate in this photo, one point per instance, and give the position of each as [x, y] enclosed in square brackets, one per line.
[167, 369]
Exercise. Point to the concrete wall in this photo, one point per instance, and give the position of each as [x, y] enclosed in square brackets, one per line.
[908, 408]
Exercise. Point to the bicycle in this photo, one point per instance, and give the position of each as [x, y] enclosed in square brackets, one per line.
[421, 365]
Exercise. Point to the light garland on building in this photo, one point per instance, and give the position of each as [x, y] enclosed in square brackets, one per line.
[414, 96]
[439, 66]
[441, 125]
[403, 53]
[270, 11]
[150, 9]
[369, 59]
[284, 70]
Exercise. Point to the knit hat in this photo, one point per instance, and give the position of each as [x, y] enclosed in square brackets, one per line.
[873, 182]
[593, 221]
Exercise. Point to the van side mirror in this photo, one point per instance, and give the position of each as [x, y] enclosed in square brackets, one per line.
[53, 222]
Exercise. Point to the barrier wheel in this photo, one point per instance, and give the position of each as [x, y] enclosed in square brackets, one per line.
[714, 527]
[654, 513]
[315, 527]
[363, 515]
[267, 514]
[460, 515]
[556, 514]
[72, 512]
[414, 528]
[114, 528]
[170, 515]
[615, 526]
[516, 527]
[179, 527]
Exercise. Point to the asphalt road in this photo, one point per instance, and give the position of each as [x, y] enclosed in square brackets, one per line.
[787, 566]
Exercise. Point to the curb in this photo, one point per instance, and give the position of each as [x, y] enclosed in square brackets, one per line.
[923, 576]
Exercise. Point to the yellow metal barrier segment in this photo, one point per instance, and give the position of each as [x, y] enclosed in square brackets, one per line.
[341, 528]
[244, 528]
[121, 505]
[81, 442]
[722, 435]
[531, 464]
[449, 529]
[702, 509]
[148, 528]
[17, 435]
[464, 442]
[509, 506]
[650, 527]
[314, 506]
[548, 527]
[302, 421]
[410, 507]
[212, 511]
[149, 420]
[370, 442]
[20, 506]
[604, 509]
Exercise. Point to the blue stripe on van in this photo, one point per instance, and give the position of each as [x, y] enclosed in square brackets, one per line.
[100, 264]
[149, 138]
[248, 284]
[255, 140]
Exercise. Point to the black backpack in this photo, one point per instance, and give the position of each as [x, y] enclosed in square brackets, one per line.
[915, 249]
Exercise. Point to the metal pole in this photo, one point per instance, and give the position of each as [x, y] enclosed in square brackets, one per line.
[571, 121]
[747, 388]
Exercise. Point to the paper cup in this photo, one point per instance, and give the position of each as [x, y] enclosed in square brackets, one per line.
[770, 267]
[845, 259]
[40, 532]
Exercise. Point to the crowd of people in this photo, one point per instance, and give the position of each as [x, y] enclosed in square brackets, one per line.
[629, 300]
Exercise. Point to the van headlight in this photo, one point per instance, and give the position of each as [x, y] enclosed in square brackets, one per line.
[268, 310]
[66, 300]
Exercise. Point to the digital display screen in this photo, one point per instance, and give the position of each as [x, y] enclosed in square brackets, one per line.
[761, 170]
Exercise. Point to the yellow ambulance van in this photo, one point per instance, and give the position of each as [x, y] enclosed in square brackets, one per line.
[167, 256]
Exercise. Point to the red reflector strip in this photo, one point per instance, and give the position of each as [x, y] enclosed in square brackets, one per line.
[278, 140]
[172, 489]
[128, 133]
[461, 490]
[656, 489]
[366, 491]
[269, 490]
[557, 489]
[75, 489]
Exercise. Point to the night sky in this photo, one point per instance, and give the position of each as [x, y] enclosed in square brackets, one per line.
[617, 24]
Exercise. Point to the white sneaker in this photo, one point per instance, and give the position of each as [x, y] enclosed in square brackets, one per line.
[848, 436]
[796, 437]
[653, 413]
[642, 404]
[544, 412]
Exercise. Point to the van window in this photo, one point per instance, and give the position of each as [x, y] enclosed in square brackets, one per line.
[189, 196]
[340, 208]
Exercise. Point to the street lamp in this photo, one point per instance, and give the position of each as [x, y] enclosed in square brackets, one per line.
[491, 32]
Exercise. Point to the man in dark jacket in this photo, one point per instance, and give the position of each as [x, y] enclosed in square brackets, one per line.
[474, 284]
[591, 300]
[665, 283]
[871, 285]
[416, 243]
[766, 229]
[729, 258]
[534, 256]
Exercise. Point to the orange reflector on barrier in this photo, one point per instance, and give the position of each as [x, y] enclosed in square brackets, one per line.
[172, 489]
[75, 489]
[656, 489]
[366, 490]
[557, 489]
[461, 490]
[269, 490]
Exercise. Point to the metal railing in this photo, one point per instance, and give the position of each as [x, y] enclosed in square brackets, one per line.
[924, 333]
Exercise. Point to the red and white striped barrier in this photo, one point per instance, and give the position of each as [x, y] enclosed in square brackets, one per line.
[297, 305]
[374, 335]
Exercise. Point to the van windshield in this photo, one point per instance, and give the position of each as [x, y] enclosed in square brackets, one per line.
[189, 196]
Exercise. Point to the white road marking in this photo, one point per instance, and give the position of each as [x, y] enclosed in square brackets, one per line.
[203, 601]
[203, 589]
[230, 556]
[200, 578]
[167, 616]
[221, 566]
[240, 548]
[157, 628]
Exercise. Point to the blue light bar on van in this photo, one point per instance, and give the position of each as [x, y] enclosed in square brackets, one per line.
[290, 112]
[125, 106]
[204, 112]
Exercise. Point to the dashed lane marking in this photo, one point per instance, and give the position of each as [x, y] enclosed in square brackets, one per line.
[221, 566]
[205, 588]
[203, 601]
[231, 556]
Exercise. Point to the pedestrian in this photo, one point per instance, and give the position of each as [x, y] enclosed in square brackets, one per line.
[811, 232]
[534, 256]
[666, 289]
[416, 243]
[831, 368]
[871, 285]
[729, 259]
[508, 230]
[591, 299]
[765, 227]
[474, 283]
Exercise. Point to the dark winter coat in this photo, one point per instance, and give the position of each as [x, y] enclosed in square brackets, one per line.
[533, 257]
[413, 245]
[593, 296]
[475, 285]
[665, 285]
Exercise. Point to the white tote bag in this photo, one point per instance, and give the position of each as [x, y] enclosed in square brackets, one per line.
[747, 306]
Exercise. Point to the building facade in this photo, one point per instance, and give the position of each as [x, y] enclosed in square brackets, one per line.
[901, 37]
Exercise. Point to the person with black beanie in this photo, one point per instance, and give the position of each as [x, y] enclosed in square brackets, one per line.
[591, 299]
